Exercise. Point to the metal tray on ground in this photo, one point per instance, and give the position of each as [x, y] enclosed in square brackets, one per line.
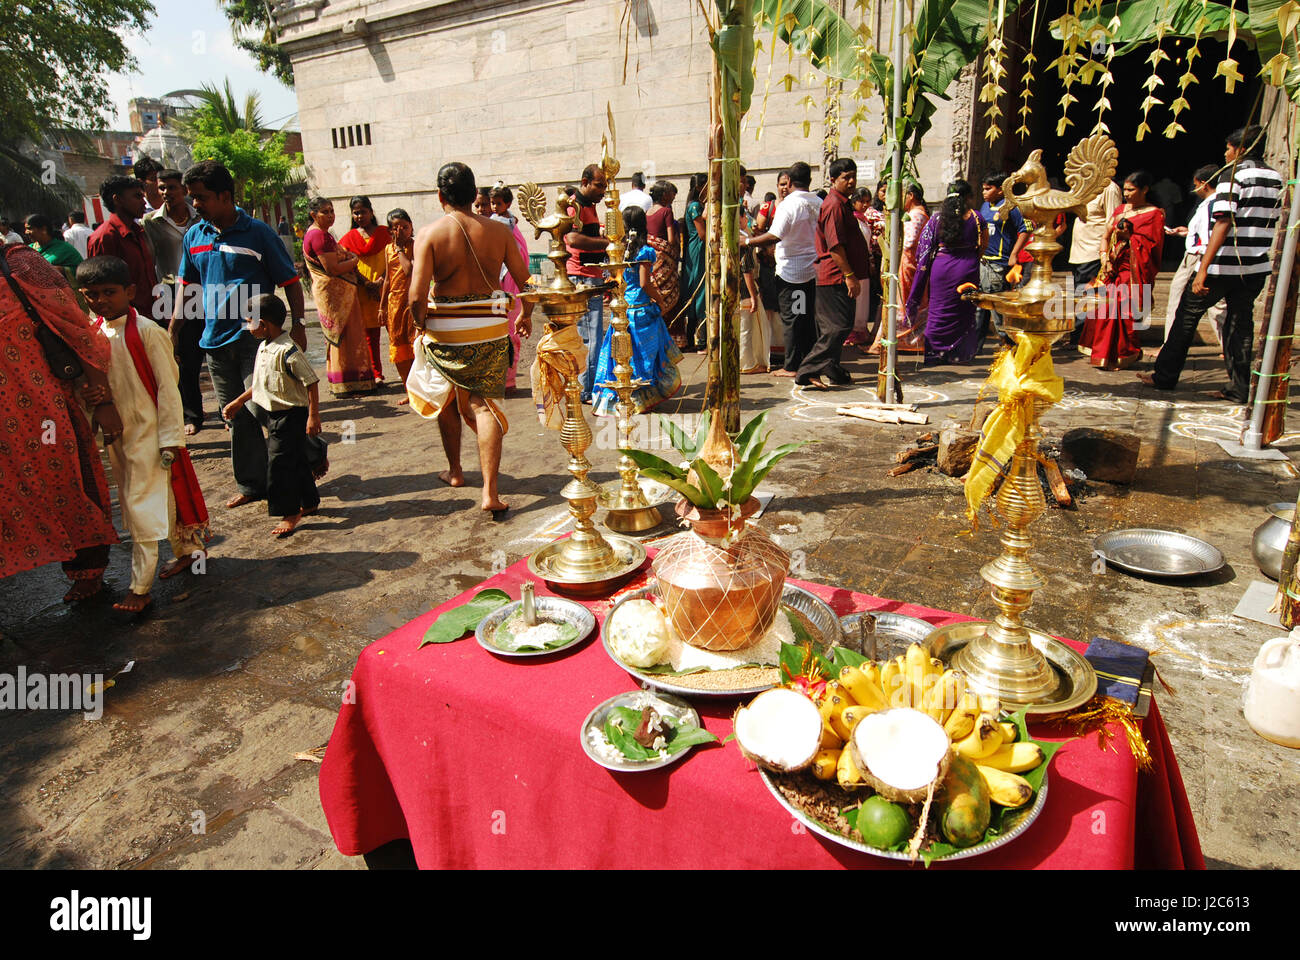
[894, 632]
[1158, 553]
[548, 608]
[816, 614]
[1014, 823]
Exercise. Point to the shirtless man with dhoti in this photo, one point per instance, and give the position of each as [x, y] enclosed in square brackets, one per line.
[463, 349]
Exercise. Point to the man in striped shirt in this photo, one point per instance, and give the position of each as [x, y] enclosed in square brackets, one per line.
[1245, 209]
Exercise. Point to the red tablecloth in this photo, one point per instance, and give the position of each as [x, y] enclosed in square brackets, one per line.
[477, 760]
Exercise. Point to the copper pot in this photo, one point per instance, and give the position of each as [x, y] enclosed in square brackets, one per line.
[716, 597]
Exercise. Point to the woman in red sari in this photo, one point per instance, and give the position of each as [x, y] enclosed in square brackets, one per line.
[1133, 244]
[54, 500]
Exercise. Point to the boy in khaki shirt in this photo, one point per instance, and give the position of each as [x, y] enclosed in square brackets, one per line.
[284, 385]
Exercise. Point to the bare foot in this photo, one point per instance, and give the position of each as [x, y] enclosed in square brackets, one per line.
[83, 590]
[191, 429]
[286, 526]
[134, 603]
[1147, 378]
[240, 500]
[784, 373]
[179, 565]
[404, 401]
[453, 478]
[495, 506]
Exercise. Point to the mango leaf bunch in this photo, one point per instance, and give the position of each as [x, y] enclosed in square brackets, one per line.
[696, 480]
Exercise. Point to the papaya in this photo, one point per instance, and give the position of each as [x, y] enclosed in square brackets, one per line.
[964, 811]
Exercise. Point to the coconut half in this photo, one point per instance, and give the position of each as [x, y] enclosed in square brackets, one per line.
[900, 752]
[780, 729]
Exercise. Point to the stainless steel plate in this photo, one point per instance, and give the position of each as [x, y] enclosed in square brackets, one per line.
[825, 627]
[1158, 553]
[894, 632]
[1076, 678]
[635, 699]
[551, 608]
[1014, 823]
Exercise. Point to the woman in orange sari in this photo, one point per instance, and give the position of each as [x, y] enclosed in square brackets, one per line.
[1133, 245]
[368, 239]
[396, 311]
[334, 288]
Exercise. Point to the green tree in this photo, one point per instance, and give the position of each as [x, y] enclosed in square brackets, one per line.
[57, 60]
[221, 130]
[254, 31]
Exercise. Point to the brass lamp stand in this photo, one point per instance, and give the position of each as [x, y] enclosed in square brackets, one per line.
[1024, 667]
[586, 563]
[629, 509]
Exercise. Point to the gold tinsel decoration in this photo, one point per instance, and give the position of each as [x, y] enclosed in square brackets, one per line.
[1097, 714]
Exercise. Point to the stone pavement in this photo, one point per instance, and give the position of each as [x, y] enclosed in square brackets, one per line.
[238, 670]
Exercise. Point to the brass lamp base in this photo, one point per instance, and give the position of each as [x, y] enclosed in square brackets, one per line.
[584, 568]
[1014, 675]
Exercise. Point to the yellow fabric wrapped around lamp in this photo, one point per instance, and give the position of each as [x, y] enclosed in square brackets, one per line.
[1023, 376]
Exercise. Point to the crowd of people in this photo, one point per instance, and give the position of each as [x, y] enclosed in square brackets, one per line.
[107, 329]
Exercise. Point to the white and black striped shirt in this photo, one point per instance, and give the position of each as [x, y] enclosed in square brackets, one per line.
[1252, 203]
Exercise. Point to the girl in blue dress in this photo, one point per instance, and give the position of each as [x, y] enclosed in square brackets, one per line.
[654, 355]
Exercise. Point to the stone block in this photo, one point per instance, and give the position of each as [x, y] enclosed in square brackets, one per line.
[957, 444]
[1106, 455]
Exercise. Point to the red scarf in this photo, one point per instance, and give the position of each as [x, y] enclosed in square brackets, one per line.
[355, 243]
[191, 510]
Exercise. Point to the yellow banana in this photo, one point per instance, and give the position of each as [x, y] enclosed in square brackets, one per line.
[1014, 757]
[824, 763]
[945, 693]
[917, 669]
[836, 718]
[830, 740]
[1006, 789]
[962, 720]
[892, 683]
[852, 716]
[1009, 731]
[836, 689]
[846, 771]
[863, 685]
[983, 740]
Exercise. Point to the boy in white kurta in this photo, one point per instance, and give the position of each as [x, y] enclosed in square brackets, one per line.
[153, 432]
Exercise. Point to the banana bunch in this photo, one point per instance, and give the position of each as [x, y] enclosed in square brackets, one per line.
[991, 745]
[914, 679]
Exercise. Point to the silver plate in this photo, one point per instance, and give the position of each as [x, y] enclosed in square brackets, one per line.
[551, 608]
[630, 699]
[894, 632]
[1158, 553]
[1014, 823]
[825, 624]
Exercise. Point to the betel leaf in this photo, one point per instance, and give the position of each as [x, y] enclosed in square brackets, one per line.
[455, 623]
[841, 657]
[507, 639]
[621, 723]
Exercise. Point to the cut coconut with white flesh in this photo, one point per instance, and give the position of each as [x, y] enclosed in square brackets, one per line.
[780, 729]
[900, 753]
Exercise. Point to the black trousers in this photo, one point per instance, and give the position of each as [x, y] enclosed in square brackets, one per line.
[1238, 332]
[290, 487]
[798, 303]
[190, 360]
[835, 312]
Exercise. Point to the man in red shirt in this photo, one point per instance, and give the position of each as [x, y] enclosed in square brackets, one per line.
[121, 235]
[586, 246]
[842, 261]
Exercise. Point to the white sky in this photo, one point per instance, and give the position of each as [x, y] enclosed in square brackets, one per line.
[189, 43]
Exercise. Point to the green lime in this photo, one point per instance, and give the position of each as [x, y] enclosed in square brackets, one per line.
[883, 824]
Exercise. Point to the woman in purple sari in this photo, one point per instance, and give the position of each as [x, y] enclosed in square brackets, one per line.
[948, 256]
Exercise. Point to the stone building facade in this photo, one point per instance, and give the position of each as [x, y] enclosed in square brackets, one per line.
[390, 89]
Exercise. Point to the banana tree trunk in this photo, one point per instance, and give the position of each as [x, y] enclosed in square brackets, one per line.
[729, 99]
